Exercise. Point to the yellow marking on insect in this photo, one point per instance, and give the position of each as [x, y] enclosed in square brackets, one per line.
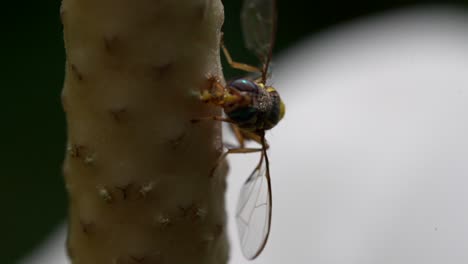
[230, 98]
[270, 89]
[205, 96]
[282, 109]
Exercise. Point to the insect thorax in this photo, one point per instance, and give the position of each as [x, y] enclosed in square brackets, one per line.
[253, 107]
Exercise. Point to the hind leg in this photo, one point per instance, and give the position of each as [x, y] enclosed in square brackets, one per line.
[240, 135]
[232, 151]
[243, 136]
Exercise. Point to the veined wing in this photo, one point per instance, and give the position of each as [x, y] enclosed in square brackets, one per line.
[258, 19]
[253, 214]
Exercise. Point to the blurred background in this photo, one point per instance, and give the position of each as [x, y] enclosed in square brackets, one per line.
[33, 197]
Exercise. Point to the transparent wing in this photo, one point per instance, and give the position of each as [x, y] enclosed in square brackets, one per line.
[253, 215]
[258, 18]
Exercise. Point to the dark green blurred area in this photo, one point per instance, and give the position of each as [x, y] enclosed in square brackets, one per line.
[33, 199]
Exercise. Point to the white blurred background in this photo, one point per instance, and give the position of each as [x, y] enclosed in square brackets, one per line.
[370, 164]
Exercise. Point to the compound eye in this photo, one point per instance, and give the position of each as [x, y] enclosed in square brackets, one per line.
[244, 85]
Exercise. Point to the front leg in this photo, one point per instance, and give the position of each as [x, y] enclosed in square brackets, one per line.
[213, 91]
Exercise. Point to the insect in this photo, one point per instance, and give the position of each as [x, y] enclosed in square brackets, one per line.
[251, 107]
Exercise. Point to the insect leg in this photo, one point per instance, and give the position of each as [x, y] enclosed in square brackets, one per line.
[232, 151]
[246, 135]
[213, 118]
[213, 91]
[238, 65]
[238, 134]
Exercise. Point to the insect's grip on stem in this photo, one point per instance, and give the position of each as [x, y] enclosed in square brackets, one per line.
[212, 118]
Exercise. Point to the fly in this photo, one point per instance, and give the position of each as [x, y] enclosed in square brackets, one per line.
[251, 107]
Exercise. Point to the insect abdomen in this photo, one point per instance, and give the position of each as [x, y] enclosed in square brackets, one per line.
[273, 116]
